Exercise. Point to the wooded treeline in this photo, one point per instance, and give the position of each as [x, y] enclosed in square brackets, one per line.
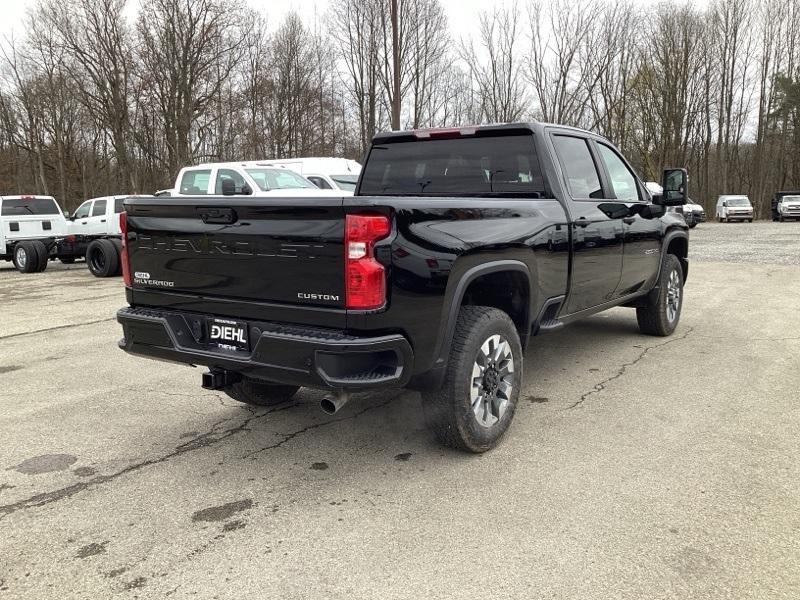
[95, 102]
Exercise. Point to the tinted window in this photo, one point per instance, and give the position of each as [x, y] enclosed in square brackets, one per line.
[238, 181]
[99, 208]
[578, 166]
[622, 180]
[195, 182]
[83, 210]
[467, 166]
[29, 206]
[119, 205]
[319, 182]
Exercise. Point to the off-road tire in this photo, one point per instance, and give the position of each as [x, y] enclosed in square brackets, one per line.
[28, 263]
[102, 258]
[654, 318]
[448, 411]
[43, 254]
[260, 393]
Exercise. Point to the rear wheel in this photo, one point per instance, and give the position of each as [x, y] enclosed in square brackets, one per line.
[118, 245]
[25, 257]
[260, 393]
[475, 405]
[662, 316]
[43, 255]
[102, 258]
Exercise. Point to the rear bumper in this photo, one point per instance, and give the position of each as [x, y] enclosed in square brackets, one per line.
[291, 354]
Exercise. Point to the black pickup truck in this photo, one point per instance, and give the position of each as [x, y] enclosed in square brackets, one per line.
[457, 247]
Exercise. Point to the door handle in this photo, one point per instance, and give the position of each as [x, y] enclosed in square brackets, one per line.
[102, 220]
[84, 222]
[582, 222]
[629, 220]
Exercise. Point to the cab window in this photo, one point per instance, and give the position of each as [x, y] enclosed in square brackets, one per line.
[622, 180]
[99, 208]
[238, 181]
[119, 205]
[319, 182]
[195, 182]
[83, 210]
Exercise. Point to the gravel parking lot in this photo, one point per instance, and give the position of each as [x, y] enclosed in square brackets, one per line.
[637, 467]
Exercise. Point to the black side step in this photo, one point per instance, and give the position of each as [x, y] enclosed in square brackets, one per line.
[548, 321]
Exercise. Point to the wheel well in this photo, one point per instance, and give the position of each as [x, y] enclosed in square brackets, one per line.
[507, 290]
[679, 246]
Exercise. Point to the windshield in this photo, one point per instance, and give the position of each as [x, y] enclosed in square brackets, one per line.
[345, 182]
[499, 165]
[738, 202]
[278, 179]
[28, 206]
[791, 199]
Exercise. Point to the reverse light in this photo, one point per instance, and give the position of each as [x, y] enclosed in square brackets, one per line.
[123, 255]
[365, 277]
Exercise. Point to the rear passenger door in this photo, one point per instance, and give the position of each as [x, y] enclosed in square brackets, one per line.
[597, 229]
[97, 218]
[642, 234]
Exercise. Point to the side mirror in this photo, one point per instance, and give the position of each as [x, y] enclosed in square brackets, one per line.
[228, 187]
[676, 187]
[725, 204]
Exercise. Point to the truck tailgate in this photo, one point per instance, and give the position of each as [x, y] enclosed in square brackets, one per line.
[261, 251]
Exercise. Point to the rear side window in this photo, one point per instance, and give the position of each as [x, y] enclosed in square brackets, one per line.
[119, 205]
[578, 166]
[195, 182]
[20, 207]
[467, 166]
[99, 208]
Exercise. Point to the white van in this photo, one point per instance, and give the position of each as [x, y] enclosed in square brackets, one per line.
[325, 173]
[734, 208]
[246, 179]
[29, 228]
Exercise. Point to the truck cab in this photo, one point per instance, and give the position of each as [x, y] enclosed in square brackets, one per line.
[97, 217]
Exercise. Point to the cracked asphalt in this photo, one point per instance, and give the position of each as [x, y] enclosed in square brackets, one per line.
[636, 467]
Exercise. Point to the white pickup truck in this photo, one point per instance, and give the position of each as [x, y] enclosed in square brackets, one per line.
[32, 232]
[254, 178]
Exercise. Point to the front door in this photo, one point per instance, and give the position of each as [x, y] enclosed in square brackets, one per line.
[597, 229]
[642, 227]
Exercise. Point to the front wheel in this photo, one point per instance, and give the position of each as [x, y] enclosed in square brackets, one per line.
[260, 393]
[661, 316]
[475, 405]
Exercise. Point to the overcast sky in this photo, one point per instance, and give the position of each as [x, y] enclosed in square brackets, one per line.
[462, 14]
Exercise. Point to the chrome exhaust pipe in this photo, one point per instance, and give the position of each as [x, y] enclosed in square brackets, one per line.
[332, 403]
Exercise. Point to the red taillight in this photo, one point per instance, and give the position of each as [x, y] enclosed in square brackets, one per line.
[365, 277]
[123, 257]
